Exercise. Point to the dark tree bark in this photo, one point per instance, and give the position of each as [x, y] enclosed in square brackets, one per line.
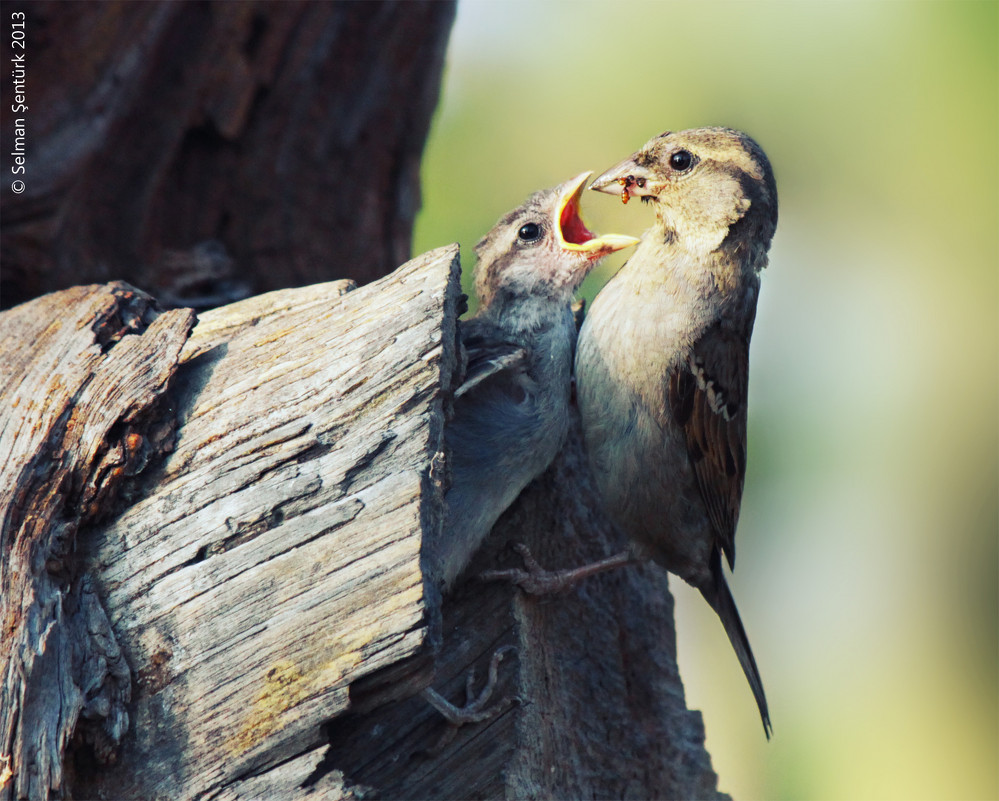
[167, 142]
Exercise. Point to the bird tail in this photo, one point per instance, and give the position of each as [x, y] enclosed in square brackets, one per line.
[720, 597]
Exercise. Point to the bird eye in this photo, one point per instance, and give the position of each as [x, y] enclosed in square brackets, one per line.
[529, 233]
[681, 160]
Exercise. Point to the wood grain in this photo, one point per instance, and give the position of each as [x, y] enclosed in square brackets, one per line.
[211, 573]
[273, 558]
[81, 371]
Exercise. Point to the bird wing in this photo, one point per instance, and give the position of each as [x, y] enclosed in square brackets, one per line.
[487, 354]
[707, 397]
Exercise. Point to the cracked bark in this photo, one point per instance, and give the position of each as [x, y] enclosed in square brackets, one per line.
[602, 712]
[246, 503]
[83, 373]
[218, 531]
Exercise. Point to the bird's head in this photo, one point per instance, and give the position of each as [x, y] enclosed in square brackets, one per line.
[711, 188]
[542, 248]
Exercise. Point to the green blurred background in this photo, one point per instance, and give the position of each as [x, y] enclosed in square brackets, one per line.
[867, 573]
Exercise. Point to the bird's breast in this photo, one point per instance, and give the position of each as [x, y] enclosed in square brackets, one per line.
[634, 334]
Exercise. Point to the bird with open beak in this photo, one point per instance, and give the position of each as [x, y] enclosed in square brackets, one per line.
[511, 413]
[662, 365]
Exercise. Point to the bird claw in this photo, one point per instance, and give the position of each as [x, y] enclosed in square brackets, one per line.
[535, 580]
[475, 709]
[532, 578]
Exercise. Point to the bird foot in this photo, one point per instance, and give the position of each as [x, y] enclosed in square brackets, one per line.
[535, 580]
[475, 709]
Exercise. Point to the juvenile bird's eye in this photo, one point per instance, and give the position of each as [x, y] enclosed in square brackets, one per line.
[529, 233]
[681, 160]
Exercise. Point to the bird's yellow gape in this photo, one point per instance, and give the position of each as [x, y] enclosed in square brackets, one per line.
[572, 231]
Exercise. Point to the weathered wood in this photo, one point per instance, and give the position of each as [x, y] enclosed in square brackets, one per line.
[81, 370]
[289, 132]
[260, 573]
[271, 558]
[602, 712]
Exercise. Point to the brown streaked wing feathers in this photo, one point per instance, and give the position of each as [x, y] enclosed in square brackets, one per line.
[712, 413]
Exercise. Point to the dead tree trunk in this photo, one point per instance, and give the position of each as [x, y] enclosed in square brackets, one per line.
[210, 582]
[207, 151]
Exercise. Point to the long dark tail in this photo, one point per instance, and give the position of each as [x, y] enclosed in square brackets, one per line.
[718, 595]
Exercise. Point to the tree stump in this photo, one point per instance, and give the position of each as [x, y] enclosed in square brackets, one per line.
[210, 582]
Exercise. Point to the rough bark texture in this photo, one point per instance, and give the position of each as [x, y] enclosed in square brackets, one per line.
[267, 562]
[82, 374]
[601, 712]
[211, 584]
[168, 142]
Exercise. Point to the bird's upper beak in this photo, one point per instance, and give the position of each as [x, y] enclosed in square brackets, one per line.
[628, 179]
[573, 233]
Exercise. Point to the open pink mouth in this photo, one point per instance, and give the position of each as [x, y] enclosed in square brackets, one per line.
[573, 233]
[573, 228]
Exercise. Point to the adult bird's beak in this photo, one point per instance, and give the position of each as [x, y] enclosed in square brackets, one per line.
[573, 233]
[627, 179]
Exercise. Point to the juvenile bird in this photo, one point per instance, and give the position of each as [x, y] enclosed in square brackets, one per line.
[662, 364]
[511, 412]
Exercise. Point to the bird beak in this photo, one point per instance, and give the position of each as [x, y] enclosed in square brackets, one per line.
[573, 233]
[627, 179]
